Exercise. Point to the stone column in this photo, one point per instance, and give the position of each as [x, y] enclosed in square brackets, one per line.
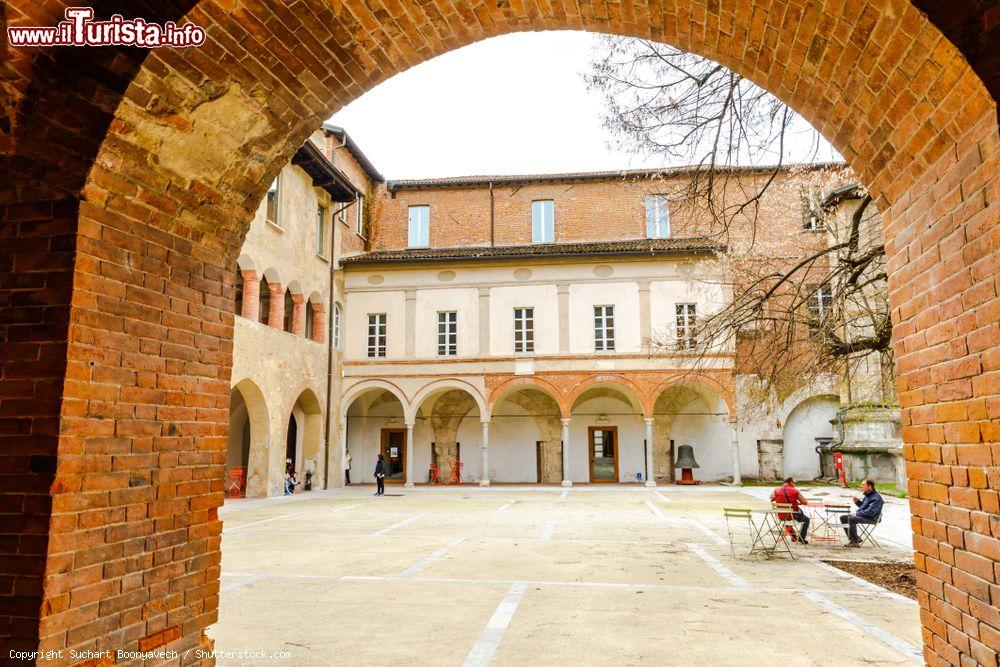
[409, 457]
[563, 322]
[737, 479]
[276, 314]
[319, 322]
[650, 471]
[645, 325]
[251, 295]
[566, 481]
[410, 323]
[299, 314]
[485, 481]
[484, 321]
[342, 459]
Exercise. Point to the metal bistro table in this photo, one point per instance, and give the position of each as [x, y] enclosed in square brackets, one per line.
[822, 514]
[770, 536]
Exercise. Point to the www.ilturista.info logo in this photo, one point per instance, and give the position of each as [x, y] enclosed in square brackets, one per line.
[79, 29]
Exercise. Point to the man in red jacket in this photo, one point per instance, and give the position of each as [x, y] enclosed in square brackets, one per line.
[787, 494]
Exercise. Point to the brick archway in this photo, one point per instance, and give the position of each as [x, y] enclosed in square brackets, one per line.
[130, 179]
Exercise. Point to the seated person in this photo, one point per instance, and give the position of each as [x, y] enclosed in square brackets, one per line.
[869, 510]
[787, 494]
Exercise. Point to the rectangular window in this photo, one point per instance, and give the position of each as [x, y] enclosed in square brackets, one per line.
[657, 217]
[321, 232]
[420, 227]
[820, 302]
[604, 328]
[524, 330]
[543, 221]
[272, 202]
[336, 326]
[447, 334]
[687, 314]
[376, 335]
[361, 215]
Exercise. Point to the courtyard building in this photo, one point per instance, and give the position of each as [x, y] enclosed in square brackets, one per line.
[518, 329]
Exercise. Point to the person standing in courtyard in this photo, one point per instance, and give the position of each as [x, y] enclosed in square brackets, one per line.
[347, 468]
[380, 476]
[869, 510]
[787, 494]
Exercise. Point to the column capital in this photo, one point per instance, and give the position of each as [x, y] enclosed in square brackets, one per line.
[249, 274]
[298, 298]
[486, 422]
[649, 420]
[566, 421]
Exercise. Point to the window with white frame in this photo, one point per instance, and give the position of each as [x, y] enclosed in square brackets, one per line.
[336, 325]
[322, 237]
[687, 316]
[447, 333]
[543, 221]
[376, 335]
[657, 217]
[272, 202]
[820, 302]
[524, 330]
[361, 215]
[604, 328]
[420, 226]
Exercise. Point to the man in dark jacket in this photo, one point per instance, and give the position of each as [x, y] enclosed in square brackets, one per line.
[869, 510]
[380, 476]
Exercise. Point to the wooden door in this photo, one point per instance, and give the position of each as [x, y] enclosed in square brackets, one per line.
[603, 446]
[394, 452]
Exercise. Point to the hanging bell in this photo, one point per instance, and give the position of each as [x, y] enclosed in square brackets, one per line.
[685, 457]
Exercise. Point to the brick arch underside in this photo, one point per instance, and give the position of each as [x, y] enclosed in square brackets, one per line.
[132, 178]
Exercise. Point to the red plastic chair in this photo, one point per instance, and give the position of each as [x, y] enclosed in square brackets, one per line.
[434, 475]
[455, 477]
[235, 483]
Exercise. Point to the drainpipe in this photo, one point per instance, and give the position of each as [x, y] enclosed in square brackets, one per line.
[492, 228]
[329, 347]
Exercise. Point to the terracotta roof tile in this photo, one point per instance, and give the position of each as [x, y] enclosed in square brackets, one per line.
[651, 247]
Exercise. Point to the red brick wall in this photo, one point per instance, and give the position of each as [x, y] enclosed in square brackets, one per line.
[598, 210]
[36, 271]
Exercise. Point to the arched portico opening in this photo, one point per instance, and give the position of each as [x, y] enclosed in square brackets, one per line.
[304, 439]
[164, 182]
[693, 413]
[374, 423]
[808, 425]
[606, 434]
[448, 433]
[248, 438]
[526, 436]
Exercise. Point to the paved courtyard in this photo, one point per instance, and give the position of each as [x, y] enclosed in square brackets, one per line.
[542, 575]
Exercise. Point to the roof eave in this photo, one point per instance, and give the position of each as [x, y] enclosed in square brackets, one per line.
[360, 260]
[310, 158]
[355, 150]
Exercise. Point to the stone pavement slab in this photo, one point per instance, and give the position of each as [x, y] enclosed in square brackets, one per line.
[538, 575]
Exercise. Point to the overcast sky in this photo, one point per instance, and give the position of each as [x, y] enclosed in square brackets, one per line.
[513, 104]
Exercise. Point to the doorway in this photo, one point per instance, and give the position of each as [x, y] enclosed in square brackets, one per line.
[394, 453]
[603, 453]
